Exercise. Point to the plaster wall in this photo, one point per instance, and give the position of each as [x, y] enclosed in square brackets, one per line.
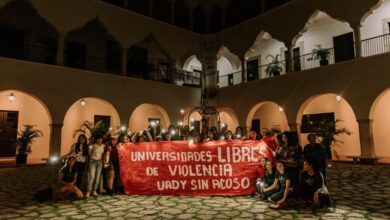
[376, 24]
[77, 114]
[31, 112]
[270, 117]
[139, 117]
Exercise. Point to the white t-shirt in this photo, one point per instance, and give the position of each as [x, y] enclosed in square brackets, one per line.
[97, 151]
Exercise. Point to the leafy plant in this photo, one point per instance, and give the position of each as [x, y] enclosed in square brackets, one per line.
[275, 67]
[327, 131]
[26, 137]
[88, 128]
[320, 53]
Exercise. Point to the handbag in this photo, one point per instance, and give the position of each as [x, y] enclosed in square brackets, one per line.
[324, 196]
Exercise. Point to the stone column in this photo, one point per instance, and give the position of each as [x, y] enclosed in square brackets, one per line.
[172, 70]
[243, 69]
[172, 11]
[124, 62]
[55, 139]
[262, 3]
[366, 138]
[358, 43]
[289, 59]
[296, 127]
[60, 49]
[150, 8]
[191, 14]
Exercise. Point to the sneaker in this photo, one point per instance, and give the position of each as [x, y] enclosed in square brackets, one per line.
[87, 195]
[94, 193]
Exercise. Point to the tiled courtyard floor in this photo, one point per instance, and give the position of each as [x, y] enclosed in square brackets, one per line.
[361, 192]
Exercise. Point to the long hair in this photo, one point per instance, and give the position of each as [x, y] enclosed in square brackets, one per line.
[85, 145]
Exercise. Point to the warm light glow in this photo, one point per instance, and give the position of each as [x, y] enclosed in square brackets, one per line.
[110, 128]
[53, 159]
[338, 98]
[182, 111]
[123, 128]
[180, 123]
[153, 123]
[11, 97]
[83, 102]
[192, 120]
[163, 131]
[173, 132]
[223, 125]
[191, 141]
[280, 109]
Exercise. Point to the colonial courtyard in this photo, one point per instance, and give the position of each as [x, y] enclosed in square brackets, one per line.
[360, 192]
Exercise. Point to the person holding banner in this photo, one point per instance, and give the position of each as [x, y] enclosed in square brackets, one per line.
[111, 164]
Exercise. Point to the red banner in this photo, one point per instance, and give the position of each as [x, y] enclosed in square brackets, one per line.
[180, 168]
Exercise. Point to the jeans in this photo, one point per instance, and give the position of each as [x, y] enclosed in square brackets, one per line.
[95, 169]
[274, 194]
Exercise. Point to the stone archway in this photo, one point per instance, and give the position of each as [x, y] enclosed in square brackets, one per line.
[86, 109]
[27, 109]
[349, 145]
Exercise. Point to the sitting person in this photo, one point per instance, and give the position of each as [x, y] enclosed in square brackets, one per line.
[269, 175]
[260, 171]
[311, 185]
[278, 191]
[68, 177]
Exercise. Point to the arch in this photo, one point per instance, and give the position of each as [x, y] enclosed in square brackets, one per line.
[375, 22]
[371, 10]
[140, 115]
[319, 29]
[37, 38]
[379, 113]
[228, 117]
[327, 103]
[93, 47]
[77, 114]
[262, 47]
[269, 115]
[31, 110]
[192, 63]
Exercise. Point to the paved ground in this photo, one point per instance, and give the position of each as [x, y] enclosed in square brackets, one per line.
[361, 192]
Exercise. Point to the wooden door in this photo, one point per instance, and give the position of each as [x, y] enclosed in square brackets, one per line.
[344, 47]
[8, 133]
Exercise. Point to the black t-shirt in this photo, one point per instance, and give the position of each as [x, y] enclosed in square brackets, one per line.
[68, 175]
[269, 178]
[311, 183]
[282, 178]
[316, 153]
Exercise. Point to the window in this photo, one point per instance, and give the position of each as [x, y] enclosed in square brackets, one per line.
[105, 120]
[230, 80]
[310, 122]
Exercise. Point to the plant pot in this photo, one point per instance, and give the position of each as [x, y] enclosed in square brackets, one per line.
[324, 62]
[21, 158]
[276, 73]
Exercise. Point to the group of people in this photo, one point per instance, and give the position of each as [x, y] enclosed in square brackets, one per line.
[86, 160]
[298, 173]
[291, 173]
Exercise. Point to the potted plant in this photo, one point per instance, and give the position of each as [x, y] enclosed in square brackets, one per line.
[275, 67]
[98, 129]
[321, 54]
[327, 131]
[24, 141]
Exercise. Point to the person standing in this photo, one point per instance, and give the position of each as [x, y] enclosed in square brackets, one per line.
[111, 164]
[95, 166]
[79, 151]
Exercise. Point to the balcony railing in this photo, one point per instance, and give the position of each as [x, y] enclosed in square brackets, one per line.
[369, 47]
[376, 45]
[187, 78]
